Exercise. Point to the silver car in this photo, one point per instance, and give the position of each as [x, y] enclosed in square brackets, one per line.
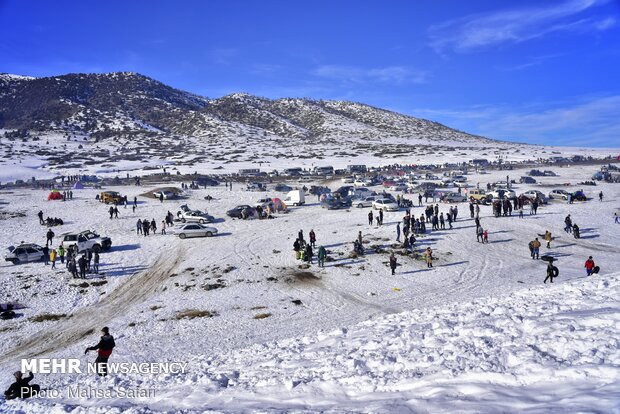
[25, 253]
[194, 230]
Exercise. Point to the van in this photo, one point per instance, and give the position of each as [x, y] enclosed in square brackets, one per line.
[296, 198]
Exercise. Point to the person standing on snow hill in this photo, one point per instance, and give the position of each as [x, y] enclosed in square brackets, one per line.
[381, 217]
[49, 237]
[552, 272]
[393, 263]
[40, 214]
[428, 254]
[548, 238]
[139, 227]
[568, 224]
[589, 266]
[96, 263]
[479, 234]
[309, 253]
[104, 350]
[397, 231]
[53, 258]
[535, 248]
[61, 253]
[600, 196]
[300, 236]
[312, 237]
[370, 218]
[111, 211]
[321, 256]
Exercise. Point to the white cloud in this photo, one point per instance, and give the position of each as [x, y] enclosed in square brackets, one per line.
[594, 121]
[389, 74]
[515, 25]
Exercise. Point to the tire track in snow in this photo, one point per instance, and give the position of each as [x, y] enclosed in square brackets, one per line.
[66, 332]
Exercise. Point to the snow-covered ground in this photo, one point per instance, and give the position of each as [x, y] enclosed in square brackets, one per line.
[478, 333]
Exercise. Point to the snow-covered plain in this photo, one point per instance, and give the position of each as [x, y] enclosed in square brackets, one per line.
[478, 333]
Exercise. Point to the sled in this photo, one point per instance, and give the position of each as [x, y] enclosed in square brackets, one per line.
[547, 258]
[595, 269]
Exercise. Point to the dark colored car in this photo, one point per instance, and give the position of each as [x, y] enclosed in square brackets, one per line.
[236, 212]
[527, 180]
[579, 196]
[283, 187]
[207, 181]
[336, 203]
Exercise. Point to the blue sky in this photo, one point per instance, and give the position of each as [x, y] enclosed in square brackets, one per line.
[531, 71]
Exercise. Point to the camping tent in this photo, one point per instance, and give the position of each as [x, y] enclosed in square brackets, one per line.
[278, 204]
[54, 195]
[78, 186]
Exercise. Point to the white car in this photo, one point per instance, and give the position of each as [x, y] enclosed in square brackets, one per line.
[559, 194]
[459, 178]
[86, 240]
[264, 203]
[359, 183]
[398, 187]
[385, 204]
[167, 194]
[25, 253]
[533, 194]
[453, 198]
[502, 193]
[363, 201]
[194, 216]
[194, 230]
[348, 180]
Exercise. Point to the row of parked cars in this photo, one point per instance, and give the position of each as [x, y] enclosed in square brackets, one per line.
[85, 240]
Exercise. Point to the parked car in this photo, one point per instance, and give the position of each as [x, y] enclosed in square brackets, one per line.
[479, 196]
[283, 187]
[264, 203]
[113, 197]
[336, 203]
[459, 178]
[236, 212]
[86, 240]
[385, 204]
[363, 201]
[195, 216]
[24, 253]
[207, 182]
[194, 230]
[502, 193]
[255, 186]
[579, 196]
[559, 194]
[398, 187]
[533, 194]
[167, 194]
[453, 198]
[348, 180]
[527, 180]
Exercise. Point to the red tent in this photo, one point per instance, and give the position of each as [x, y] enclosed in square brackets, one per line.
[54, 195]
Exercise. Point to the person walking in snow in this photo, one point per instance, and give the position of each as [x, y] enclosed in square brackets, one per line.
[568, 224]
[370, 218]
[471, 209]
[589, 266]
[163, 227]
[300, 236]
[61, 253]
[479, 234]
[111, 211]
[46, 251]
[600, 196]
[53, 258]
[309, 253]
[321, 256]
[397, 232]
[485, 236]
[393, 263]
[139, 227]
[548, 238]
[312, 238]
[104, 351]
[40, 214]
[380, 217]
[552, 271]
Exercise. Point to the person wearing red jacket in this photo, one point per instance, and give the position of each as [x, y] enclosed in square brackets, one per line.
[104, 350]
[589, 266]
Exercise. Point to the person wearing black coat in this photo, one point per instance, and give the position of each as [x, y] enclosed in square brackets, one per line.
[21, 387]
[104, 350]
